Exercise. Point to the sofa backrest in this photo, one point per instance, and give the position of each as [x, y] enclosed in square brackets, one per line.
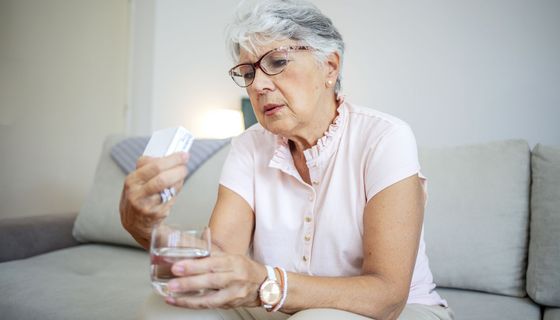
[477, 217]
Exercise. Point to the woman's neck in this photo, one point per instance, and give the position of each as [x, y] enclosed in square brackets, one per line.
[309, 136]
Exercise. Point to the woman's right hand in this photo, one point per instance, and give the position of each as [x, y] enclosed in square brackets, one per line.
[141, 204]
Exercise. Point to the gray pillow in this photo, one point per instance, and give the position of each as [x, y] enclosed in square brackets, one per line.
[477, 218]
[99, 218]
[126, 152]
[543, 273]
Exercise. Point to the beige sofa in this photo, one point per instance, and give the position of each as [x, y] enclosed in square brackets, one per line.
[492, 230]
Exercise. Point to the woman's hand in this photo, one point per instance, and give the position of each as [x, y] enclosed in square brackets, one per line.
[141, 205]
[233, 280]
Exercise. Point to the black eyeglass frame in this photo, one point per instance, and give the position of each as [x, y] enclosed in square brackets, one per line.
[257, 65]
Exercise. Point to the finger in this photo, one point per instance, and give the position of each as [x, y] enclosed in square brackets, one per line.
[212, 264]
[179, 185]
[132, 184]
[136, 179]
[225, 298]
[144, 160]
[155, 201]
[165, 179]
[202, 281]
[150, 167]
[153, 206]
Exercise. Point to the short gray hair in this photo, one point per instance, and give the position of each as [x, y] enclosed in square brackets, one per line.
[269, 20]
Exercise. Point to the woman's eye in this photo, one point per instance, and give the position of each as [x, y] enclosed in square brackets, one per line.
[248, 75]
[278, 63]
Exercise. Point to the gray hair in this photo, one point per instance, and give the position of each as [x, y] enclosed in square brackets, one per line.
[271, 20]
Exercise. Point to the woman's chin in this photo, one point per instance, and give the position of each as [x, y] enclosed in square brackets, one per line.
[277, 128]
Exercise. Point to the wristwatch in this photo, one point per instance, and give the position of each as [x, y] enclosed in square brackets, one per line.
[270, 292]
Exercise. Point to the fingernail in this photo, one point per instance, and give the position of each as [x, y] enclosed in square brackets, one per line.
[170, 300]
[185, 156]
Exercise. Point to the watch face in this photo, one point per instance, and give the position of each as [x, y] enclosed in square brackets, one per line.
[270, 292]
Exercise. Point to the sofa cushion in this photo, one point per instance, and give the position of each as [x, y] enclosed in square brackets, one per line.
[476, 220]
[99, 218]
[543, 273]
[84, 282]
[552, 314]
[472, 305]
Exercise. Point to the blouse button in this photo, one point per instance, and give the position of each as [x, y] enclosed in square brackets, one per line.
[307, 238]
[315, 182]
[308, 219]
[304, 258]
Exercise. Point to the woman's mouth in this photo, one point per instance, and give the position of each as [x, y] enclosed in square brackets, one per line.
[270, 109]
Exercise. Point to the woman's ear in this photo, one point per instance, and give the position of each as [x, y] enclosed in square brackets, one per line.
[332, 67]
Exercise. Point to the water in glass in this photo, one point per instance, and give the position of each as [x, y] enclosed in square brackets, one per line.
[162, 260]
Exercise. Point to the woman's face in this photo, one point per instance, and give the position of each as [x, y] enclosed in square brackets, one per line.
[287, 103]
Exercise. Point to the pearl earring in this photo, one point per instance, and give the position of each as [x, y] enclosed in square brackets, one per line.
[329, 83]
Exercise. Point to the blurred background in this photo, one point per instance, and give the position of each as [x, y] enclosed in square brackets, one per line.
[74, 71]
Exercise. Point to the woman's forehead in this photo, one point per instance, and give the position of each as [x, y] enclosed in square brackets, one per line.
[250, 56]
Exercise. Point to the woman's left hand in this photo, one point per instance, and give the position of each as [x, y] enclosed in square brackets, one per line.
[232, 280]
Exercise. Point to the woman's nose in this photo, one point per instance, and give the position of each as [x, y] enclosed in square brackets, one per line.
[262, 81]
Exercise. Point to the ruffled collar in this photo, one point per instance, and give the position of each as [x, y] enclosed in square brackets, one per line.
[326, 142]
[324, 147]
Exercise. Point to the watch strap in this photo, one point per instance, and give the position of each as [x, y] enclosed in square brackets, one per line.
[283, 286]
[270, 273]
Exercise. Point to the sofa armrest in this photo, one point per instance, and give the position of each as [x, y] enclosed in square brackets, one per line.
[29, 236]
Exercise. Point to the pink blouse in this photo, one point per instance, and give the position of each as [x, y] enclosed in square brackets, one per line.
[317, 229]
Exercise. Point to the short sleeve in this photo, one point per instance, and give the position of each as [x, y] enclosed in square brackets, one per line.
[392, 158]
[238, 170]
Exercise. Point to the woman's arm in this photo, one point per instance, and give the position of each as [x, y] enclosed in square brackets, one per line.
[392, 227]
[232, 222]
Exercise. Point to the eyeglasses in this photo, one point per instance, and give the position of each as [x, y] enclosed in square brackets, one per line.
[271, 63]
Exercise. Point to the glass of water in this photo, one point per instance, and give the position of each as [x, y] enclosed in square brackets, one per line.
[171, 243]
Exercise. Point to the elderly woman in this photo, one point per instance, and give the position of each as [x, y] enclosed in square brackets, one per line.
[320, 205]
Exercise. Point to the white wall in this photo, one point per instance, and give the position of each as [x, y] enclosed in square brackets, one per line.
[457, 71]
[63, 75]
[141, 67]
[191, 63]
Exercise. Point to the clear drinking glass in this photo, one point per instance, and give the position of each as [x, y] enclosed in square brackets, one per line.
[171, 243]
